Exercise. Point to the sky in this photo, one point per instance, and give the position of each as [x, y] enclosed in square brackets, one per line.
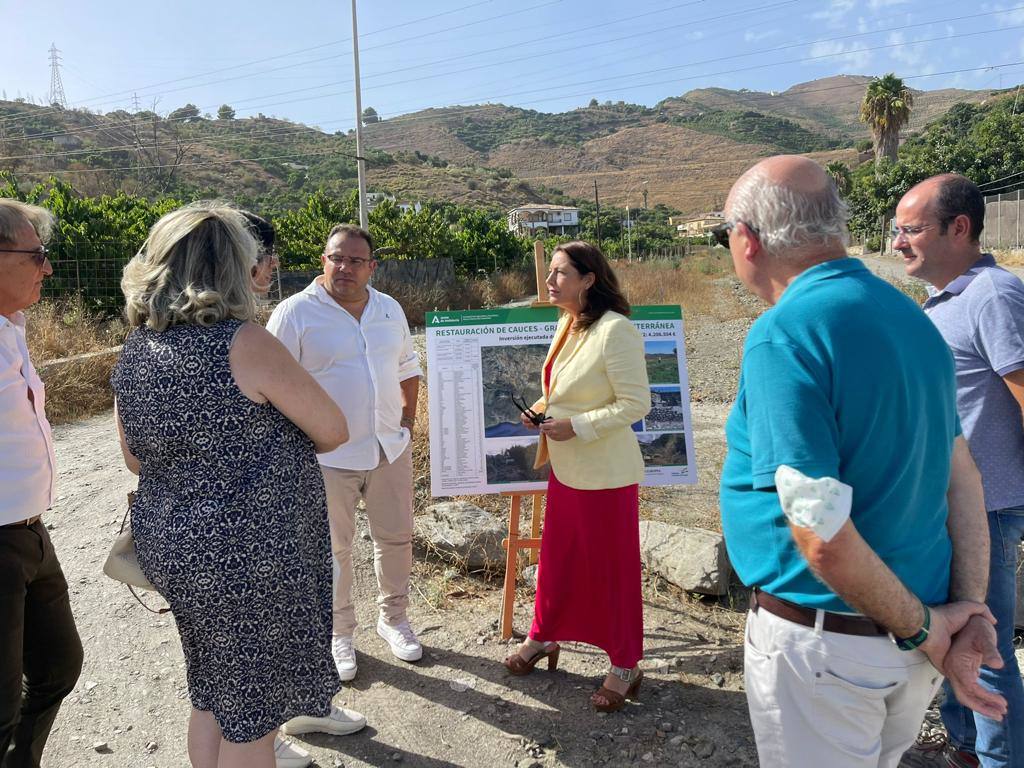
[294, 59]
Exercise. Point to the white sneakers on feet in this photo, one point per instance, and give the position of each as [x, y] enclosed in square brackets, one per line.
[344, 656]
[341, 722]
[402, 640]
[288, 755]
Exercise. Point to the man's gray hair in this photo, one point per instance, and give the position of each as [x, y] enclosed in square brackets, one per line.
[14, 214]
[788, 220]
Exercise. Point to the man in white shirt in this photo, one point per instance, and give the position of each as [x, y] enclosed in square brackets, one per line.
[356, 342]
[40, 651]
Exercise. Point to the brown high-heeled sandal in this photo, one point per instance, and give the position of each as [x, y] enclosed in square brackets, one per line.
[519, 666]
[616, 700]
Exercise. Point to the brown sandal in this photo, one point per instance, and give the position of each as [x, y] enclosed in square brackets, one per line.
[519, 666]
[616, 700]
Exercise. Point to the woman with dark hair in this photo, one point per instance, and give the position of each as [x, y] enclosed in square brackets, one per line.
[266, 261]
[594, 388]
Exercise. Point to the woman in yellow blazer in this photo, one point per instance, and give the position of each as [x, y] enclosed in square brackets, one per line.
[595, 388]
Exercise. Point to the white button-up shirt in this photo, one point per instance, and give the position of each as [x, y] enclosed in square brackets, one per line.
[360, 363]
[27, 464]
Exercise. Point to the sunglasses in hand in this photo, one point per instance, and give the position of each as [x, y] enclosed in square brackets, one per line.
[528, 412]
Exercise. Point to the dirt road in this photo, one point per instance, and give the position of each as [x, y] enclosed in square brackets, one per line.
[456, 707]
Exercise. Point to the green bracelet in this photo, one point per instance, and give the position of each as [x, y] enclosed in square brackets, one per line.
[915, 641]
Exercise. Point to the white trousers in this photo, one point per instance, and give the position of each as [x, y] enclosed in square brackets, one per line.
[820, 698]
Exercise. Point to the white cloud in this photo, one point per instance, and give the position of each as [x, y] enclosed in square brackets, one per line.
[835, 14]
[876, 5]
[906, 53]
[1011, 18]
[851, 56]
[694, 36]
[752, 36]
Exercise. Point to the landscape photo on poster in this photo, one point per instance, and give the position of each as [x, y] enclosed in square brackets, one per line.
[510, 373]
[667, 413]
[662, 361]
[510, 460]
[666, 450]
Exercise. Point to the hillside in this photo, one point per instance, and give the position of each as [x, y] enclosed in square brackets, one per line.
[685, 151]
[270, 163]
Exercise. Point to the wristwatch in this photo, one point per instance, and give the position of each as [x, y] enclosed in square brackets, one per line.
[408, 421]
[917, 639]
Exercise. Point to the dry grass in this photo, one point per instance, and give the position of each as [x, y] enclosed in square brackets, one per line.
[59, 330]
[1009, 257]
[491, 291]
[699, 283]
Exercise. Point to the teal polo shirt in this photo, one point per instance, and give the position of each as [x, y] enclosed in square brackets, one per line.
[844, 377]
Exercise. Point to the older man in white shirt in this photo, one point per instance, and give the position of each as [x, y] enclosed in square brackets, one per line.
[40, 651]
[356, 342]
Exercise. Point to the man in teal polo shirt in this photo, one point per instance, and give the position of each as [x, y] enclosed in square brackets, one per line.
[849, 499]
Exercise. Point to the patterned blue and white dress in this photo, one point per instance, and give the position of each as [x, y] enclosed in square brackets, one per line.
[230, 524]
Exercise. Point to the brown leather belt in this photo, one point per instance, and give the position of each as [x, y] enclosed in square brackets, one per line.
[23, 523]
[798, 614]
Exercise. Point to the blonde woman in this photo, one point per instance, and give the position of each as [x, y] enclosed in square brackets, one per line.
[230, 520]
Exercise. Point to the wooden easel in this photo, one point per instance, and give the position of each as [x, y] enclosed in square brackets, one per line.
[514, 543]
[512, 546]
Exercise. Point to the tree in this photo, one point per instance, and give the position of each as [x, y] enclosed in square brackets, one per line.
[370, 116]
[840, 174]
[225, 112]
[189, 113]
[886, 109]
[593, 103]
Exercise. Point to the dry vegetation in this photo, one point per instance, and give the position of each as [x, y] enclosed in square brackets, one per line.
[60, 330]
[1009, 257]
[701, 284]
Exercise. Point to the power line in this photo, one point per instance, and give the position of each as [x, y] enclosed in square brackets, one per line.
[713, 60]
[316, 47]
[56, 95]
[288, 130]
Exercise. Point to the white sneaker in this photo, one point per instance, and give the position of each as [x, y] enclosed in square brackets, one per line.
[288, 755]
[344, 656]
[340, 722]
[402, 640]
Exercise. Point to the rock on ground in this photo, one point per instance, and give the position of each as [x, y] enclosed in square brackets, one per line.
[460, 531]
[694, 560]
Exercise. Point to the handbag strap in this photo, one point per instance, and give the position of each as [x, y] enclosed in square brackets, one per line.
[124, 522]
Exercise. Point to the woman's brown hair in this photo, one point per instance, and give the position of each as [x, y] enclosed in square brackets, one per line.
[605, 294]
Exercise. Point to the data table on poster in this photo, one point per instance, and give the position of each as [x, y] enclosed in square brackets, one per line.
[459, 412]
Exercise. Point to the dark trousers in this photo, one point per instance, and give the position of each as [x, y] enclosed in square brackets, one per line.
[40, 652]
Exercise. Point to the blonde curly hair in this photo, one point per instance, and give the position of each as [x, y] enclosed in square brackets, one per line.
[194, 269]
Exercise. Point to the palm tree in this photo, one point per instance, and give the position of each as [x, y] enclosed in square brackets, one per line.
[886, 109]
[840, 174]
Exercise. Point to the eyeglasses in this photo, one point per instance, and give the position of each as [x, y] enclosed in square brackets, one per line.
[909, 232]
[345, 261]
[39, 255]
[721, 232]
[528, 412]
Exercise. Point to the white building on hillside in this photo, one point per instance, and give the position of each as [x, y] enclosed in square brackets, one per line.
[544, 219]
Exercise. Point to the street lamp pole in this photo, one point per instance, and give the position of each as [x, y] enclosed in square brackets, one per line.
[364, 218]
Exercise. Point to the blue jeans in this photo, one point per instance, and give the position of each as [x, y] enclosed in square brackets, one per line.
[996, 743]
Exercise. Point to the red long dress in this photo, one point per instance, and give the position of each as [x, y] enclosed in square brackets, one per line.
[588, 573]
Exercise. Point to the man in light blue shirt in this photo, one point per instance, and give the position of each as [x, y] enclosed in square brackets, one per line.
[979, 310]
[849, 500]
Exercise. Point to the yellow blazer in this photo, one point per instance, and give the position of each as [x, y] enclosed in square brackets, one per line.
[601, 385]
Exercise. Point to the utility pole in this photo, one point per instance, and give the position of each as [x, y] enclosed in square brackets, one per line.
[56, 95]
[364, 219]
[597, 204]
[629, 236]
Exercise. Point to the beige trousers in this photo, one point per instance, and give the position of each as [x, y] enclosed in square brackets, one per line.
[387, 491]
[820, 698]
